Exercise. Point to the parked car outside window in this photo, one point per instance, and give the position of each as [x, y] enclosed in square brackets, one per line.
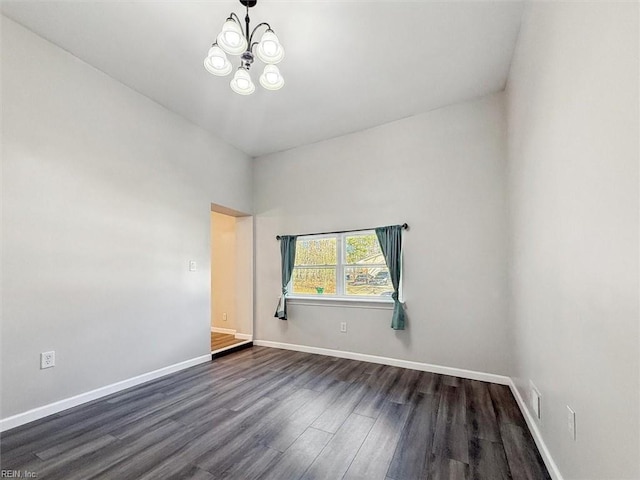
[381, 278]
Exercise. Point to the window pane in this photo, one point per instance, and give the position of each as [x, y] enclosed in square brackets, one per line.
[319, 251]
[363, 249]
[368, 280]
[314, 281]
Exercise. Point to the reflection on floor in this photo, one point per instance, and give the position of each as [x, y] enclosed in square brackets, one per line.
[223, 340]
[295, 415]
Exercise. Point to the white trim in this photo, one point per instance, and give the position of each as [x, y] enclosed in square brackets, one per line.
[425, 367]
[60, 405]
[229, 347]
[228, 331]
[244, 336]
[319, 301]
[536, 434]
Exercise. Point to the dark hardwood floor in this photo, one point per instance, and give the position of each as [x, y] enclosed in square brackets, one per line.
[265, 413]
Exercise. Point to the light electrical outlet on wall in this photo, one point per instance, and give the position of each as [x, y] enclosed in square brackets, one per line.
[47, 359]
[536, 401]
[343, 327]
[571, 423]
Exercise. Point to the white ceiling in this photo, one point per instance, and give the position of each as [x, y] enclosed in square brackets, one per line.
[349, 65]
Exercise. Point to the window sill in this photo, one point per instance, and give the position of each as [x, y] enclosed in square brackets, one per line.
[374, 303]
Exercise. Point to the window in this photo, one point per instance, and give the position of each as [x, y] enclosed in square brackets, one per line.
[340, 265]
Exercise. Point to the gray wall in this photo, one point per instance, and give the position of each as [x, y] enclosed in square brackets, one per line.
[443, 172]
[573, 155]
[106, 197]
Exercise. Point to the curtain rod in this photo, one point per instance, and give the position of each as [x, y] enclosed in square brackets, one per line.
[278, 237]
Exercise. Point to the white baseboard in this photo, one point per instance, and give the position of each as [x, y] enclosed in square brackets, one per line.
[425, 367]
[59, 406]
[535, 433]
[228, 331]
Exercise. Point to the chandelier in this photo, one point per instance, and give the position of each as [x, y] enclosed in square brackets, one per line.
[232, 40]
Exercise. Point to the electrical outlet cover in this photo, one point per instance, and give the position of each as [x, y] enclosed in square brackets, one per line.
[47, 359]
[571, 422]
[536, 401]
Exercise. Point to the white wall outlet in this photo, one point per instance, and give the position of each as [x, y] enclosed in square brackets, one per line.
[536, 401]
[224, 317]
[192, 266]
[343, 327]
[47, 360]
[571, 422]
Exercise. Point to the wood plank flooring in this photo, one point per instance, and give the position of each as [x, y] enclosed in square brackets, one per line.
[222, 340]
[265, 413]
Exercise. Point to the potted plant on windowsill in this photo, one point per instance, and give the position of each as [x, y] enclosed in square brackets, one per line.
[320, 290]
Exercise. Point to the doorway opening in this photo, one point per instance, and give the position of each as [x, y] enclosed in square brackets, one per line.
[231, 280]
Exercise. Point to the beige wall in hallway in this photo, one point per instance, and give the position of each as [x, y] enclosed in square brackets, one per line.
[223, 270]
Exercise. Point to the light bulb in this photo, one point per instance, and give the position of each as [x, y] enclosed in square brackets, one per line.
[231, 39]
[241, 82]
[216, 62]
[271, 78]
[269, 49]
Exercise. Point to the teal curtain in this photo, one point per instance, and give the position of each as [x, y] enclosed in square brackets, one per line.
[288, 253]
[390, 239]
